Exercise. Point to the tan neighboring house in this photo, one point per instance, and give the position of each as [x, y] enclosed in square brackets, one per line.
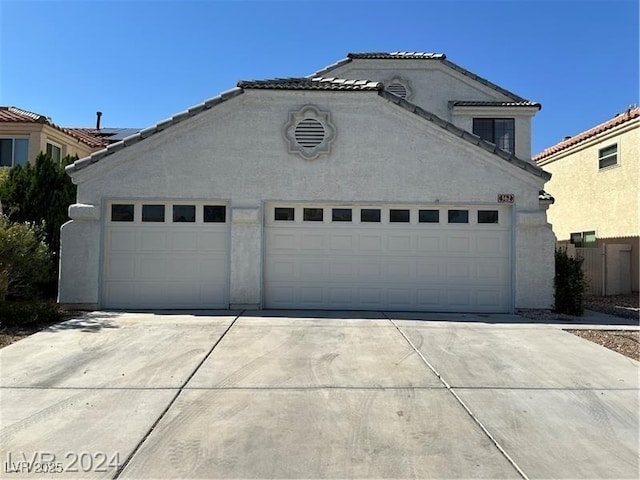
[596, 185]
[23, 135]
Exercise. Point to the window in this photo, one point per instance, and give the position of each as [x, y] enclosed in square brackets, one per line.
[341, 215]
[55, 152]
[584, 239]
[398, 216]
[153, 213]
[500, 131]
[184, 213]
[312, 214]
[214, 214]
[458, 216]
[487, 216]
[370, 215]
[14, 151]
[608, 156]
[429, 216]
[285, 214]
[121, 213]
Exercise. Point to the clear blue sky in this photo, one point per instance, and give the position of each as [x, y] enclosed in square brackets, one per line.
[140, 62]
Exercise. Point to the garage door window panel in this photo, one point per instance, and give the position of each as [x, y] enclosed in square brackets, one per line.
[341, 215]
[153, 213]
[184, 213]
[399, 216]
[458, 216]
[313, 214]
[429, 216]
[122, 212]
[488, 216]
[214, 214]
[370, 215]
[284, 214]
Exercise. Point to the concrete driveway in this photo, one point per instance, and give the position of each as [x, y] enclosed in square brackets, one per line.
[315, 395]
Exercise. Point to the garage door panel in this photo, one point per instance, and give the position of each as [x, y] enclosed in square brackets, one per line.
[383, 265]
[165, 264]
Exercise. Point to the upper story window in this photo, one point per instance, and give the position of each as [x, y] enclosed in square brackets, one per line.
[14, 151]
[54, 151]
[608, 156]
[500, 131]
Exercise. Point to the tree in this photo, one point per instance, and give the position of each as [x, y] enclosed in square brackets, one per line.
[39, 194]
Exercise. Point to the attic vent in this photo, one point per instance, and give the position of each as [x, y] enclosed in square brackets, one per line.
[309, 133]
[398, 89]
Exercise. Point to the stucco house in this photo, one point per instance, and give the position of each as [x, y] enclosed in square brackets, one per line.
[596, 184]
[395, 181]
[24, 134]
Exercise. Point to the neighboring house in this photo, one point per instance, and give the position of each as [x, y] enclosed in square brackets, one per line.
[327, 192]
[596, 185]
[23, 135]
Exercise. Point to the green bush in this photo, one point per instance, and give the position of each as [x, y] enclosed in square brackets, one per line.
[39, 193]
[569, 283]
[25, 261]
[23, 314]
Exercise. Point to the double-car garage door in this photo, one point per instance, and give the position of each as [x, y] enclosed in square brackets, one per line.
[432, 258]
[168, 254]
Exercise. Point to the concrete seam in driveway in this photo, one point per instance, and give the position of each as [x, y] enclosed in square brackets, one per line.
[173, 400]
[459, 400]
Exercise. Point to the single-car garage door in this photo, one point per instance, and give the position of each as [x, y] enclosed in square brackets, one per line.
[430, 258]
[166, 254]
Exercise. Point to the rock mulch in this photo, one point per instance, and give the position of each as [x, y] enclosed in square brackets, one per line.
[625, 342]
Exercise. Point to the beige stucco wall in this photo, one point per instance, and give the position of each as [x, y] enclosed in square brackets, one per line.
[588, 198]
[40, 134]
[236, 152]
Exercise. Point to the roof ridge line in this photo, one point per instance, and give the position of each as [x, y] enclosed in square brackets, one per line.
[465, 134]
[620, 119]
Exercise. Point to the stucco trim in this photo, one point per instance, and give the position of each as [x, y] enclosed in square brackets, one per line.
[147, 132]
[466, 135]
[420, 56]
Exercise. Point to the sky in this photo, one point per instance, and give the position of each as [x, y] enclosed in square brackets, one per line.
[140, 62]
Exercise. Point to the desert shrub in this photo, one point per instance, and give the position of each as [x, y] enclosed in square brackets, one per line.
[23, 313]
[569, 283]
[25, 261]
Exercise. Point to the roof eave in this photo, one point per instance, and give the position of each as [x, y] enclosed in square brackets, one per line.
[466, 135]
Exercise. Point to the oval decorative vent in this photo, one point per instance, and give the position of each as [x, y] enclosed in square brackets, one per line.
[309, 133]
[398, 89]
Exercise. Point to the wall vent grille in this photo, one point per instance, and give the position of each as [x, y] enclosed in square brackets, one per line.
[309, 133]
[398, 89]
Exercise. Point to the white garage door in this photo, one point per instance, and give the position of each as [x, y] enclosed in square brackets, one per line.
[429, 258]
[166, 255]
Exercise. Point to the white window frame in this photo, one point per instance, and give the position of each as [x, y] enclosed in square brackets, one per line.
[609, 156]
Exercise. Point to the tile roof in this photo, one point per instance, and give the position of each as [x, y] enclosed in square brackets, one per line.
[479, 103]
[441, 57]
[316, 83]
[466, 135]
[619, 119]
[17, 115]
[147, 132]
[295, 84]
[399, 55]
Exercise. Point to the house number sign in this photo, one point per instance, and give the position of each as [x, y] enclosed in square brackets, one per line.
[506, 198]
